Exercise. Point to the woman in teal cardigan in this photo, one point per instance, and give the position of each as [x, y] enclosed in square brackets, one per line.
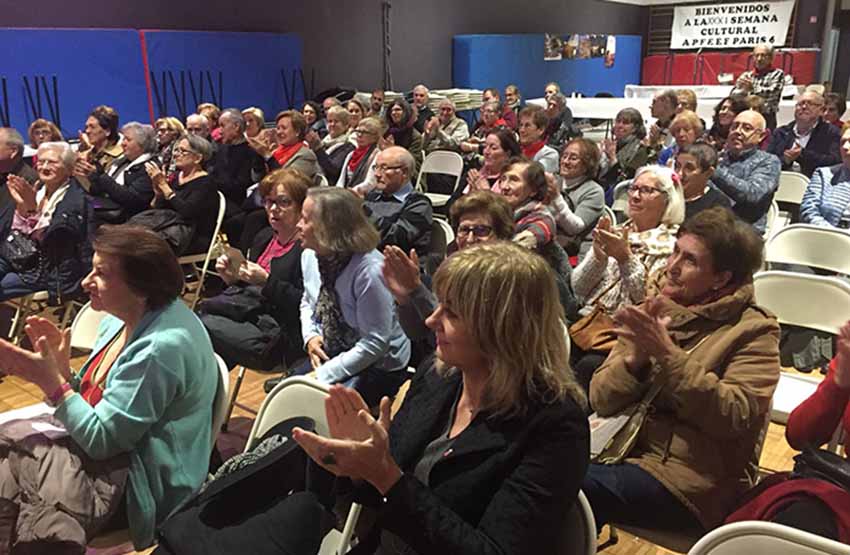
[149, 387]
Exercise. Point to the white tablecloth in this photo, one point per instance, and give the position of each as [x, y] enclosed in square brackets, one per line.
[703, 91]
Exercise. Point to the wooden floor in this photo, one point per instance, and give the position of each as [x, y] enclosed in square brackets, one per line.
[15, 393]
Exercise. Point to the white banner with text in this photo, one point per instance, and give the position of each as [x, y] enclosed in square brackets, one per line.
[741, 25]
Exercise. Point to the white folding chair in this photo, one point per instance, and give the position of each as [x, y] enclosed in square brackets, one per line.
[813, 302]
[792, 185]
[200, 262]
[444, 162]
[621, 199]
[774, 221]
[300, 396]
[31, 304]
[442, 235]
[765, 538]
[810, 245]
[221, 397]
[580, 529]
[84, 328]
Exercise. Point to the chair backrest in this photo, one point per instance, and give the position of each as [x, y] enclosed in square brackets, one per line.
[580, 528]
[764, 538]
[606, 211]
[792, 185]
[809, 245]
[84, 328]
[440, 161]
[814, 302]
[770, 223]
[295, 396]
[214, 242]
[621, 197]
[442, 235]
[222, 396]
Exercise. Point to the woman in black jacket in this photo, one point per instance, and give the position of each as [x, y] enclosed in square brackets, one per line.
[191, 193]
[270, 281]
[332, 150]
[124, 188]
[489, 448]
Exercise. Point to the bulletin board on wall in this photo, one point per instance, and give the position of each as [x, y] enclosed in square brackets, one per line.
[481, 61]
[61, 74]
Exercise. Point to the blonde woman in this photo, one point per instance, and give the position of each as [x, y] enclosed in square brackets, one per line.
[489, 447]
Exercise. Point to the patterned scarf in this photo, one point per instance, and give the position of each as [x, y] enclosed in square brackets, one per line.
[337, 334]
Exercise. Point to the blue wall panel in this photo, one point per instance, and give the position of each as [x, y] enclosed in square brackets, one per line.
[481, 61]
[91, 66]
[250, 64]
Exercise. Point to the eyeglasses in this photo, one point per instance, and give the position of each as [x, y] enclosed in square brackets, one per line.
[281, 202]
[363, 132]
[809, 104]
[43, 162]
[382, 168]
[179, 151]
[644, 190]
[479, 231]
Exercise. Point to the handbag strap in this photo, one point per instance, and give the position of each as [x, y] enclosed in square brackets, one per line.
[596, 302]
[657, 385]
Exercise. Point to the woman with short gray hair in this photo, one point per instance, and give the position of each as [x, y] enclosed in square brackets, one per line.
[123, 189]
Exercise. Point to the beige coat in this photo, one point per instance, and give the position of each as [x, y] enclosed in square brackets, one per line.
[707, 419]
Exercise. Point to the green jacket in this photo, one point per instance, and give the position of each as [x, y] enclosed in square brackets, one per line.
[157, 406]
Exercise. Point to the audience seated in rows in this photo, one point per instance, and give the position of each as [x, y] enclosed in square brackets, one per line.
[489, 122]
[577, 199]
[491, 443]
[348, 321]
[332, 150]
[624, 152]
[47, 229]
[138, 414]
[255, 321]
[714, 355]
[506, 114]
[551, 89]
[183, 210]
[747, 175]
[808, 142]
[376, 104]
[402, 215]
[123, 189]
[445, 132]
[827, 196]
[12, 163]
[695, 165]
[616, 271]
[236, 165]
[513, 100]
[532, 138]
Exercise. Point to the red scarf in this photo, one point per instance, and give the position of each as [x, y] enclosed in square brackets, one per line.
[283, 153]
[530, 150]
[357, 156]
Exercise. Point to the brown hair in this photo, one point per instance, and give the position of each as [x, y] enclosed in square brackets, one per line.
[589, 155]
[536, 114]
[734, 245]
[107, 118]
[147, 263]
[342, 225]
[297, 120]
[55, 133]
[486, 202]
[293, 182]
[210, 111]
[534, 175]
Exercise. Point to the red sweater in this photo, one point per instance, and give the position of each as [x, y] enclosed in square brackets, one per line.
[815, 420]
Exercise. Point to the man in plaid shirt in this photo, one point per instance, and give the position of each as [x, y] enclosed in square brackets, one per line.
[765, 81]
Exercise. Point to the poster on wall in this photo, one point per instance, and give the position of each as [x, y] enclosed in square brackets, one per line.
[740, 25]
[580, 47]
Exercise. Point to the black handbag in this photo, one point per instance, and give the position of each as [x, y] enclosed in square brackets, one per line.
[20, 251]
[237, 302]
[823, 465]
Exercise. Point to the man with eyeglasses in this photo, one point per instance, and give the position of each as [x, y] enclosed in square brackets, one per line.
[763, 80]
[808, 142]
[445, 132]
[402, 215]
[748, 175]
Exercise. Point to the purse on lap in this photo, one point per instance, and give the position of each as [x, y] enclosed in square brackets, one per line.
[595, 331]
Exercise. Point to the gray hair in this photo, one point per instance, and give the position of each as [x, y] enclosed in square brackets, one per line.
[766, 46]
[341, 224]
[560, 99]
[233, 115]
[420, 87]
[12, 138]
[669, 183]
[199, 145]
[449, 102]
[191, 117]
[339, 112]
[143, 134]
[66, 153]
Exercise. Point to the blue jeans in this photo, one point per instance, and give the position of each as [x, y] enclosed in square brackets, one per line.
[372, 383]
[627, 494]
[11, 284]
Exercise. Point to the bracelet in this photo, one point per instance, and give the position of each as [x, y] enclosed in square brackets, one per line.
[56, 397]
